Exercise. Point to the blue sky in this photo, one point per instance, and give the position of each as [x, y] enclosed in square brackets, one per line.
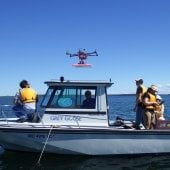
[132, 38]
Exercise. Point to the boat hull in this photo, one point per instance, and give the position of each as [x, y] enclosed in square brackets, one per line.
[85, 141]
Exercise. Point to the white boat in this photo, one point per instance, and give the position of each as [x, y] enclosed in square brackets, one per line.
[65, 127]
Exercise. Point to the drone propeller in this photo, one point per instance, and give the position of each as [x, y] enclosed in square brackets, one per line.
[67, 53]
[71, 55]
[96, 53]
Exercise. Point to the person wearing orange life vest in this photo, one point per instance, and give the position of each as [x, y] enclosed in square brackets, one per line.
[159, 109]
[141, 89]
[27, 99]
[149, 101]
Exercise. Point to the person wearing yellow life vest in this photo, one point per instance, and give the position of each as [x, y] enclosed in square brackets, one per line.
[149, 101]
[159, 109]
[141, 89]
[25, 101]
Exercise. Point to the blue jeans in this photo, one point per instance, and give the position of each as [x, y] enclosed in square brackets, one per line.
[139, 115]
[18, 111]
[23, 112]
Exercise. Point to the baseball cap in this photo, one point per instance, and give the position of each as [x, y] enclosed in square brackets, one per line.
[139, 80]
[154, 88]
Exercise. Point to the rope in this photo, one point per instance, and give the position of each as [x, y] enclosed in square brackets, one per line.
[38, 162]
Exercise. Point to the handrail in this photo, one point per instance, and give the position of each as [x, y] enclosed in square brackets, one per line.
[2, 107]
[7, 112]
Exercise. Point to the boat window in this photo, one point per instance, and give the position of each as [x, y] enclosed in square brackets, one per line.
[69, 97]
[47, 97]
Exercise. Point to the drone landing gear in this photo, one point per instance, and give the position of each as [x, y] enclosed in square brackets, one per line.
[82, 65]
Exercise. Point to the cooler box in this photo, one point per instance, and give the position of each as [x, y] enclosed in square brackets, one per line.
[163, 124]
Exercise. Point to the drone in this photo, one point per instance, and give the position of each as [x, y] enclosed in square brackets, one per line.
[82, 55]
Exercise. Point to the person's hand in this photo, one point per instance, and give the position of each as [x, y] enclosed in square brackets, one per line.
[156, 104]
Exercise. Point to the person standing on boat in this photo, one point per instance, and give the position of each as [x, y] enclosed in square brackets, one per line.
[150, 103]
[141, 89]
[25, 102]
[159, 109]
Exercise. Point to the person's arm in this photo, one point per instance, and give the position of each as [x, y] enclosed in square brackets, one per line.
[138, 98]
[139, 95]
[17, 100]
[146, 102]
[163, 109]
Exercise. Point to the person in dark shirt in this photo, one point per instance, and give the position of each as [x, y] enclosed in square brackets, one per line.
[89, 102]
[138, 104]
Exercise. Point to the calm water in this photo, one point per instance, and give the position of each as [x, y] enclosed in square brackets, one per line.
[119, 106]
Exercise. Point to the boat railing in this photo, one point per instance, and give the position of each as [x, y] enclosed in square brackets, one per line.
[8, 114]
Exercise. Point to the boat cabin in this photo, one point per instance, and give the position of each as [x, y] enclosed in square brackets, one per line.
[82, 103]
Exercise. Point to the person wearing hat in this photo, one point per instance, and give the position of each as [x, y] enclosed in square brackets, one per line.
[25, 102]
[159, 109]
[149, 101]
[141, 89]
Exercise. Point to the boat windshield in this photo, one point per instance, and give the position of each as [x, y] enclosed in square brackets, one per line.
[69, 97]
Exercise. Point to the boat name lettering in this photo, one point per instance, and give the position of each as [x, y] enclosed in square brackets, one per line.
[66, 118]
[40, 136]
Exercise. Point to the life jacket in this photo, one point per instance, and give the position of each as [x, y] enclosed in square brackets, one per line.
[152, 98]
[28, 95]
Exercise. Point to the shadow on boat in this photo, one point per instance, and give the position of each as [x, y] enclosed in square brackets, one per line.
[28, 161]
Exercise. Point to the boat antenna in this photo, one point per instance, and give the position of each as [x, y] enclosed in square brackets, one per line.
[61, 78]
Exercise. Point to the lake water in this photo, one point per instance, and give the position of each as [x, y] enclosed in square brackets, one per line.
[121, 106]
